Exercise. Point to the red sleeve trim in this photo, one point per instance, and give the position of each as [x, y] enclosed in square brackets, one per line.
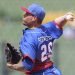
[26, 56]
[58, 26]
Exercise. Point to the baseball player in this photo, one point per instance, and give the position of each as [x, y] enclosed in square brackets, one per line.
[37, 42]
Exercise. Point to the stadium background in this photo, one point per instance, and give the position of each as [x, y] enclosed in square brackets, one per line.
[11, 27]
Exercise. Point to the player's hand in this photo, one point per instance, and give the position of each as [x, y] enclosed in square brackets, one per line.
[9, 65]
[69, 16]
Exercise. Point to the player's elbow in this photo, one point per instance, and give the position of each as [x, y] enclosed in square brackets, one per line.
[28, 64]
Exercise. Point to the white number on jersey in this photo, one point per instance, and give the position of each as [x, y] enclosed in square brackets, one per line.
[46, 51]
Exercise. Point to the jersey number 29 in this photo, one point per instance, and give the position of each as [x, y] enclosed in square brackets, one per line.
[46, 51]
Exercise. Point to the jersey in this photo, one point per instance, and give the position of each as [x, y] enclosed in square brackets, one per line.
[36, 46]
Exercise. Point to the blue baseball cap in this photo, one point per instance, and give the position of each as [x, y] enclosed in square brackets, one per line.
[35, 10]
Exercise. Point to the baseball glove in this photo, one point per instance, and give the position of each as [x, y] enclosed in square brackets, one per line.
[12, 55]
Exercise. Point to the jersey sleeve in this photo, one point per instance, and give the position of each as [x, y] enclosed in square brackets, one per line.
[27, 47]
[53, 29]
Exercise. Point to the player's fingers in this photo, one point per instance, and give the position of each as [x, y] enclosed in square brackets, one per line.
[9, 65]
[70, 17]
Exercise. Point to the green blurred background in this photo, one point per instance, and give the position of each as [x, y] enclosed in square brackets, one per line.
[11, 31]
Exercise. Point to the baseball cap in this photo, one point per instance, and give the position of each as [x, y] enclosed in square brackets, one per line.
[35, 10]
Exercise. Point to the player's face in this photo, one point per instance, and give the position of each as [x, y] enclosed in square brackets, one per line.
[28, 19]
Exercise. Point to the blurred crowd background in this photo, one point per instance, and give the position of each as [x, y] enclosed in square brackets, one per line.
[11, 31]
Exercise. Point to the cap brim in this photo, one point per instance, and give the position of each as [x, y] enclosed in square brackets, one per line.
[25, 10]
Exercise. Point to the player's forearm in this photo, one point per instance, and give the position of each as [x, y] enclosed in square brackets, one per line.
[18, 67]
[61, 21]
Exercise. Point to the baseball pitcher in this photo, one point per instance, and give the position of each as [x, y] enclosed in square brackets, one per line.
[37, 42]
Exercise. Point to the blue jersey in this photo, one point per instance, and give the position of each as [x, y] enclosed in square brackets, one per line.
[36, 45]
